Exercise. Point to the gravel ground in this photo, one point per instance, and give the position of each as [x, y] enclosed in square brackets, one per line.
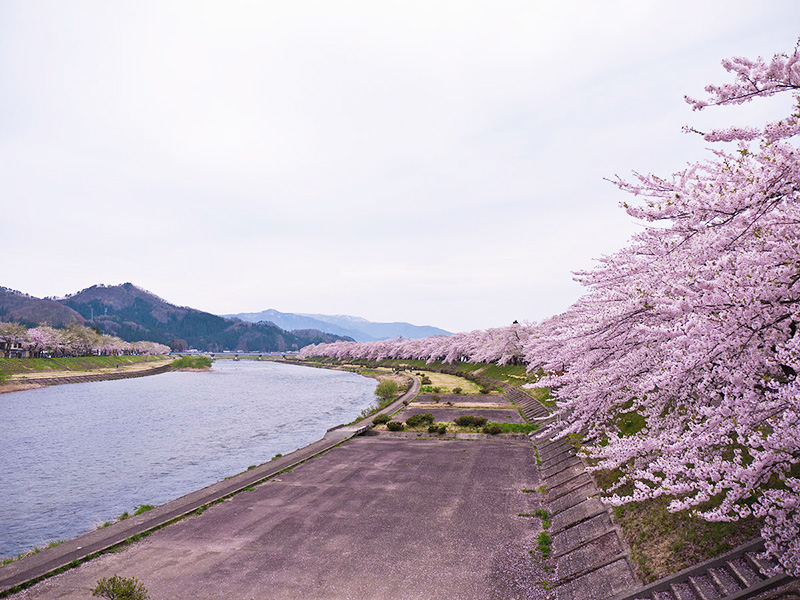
[373, 518]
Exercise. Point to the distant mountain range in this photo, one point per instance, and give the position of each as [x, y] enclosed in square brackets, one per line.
[357, 328]
[134, 314]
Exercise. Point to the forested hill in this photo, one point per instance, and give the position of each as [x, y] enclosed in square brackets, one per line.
[133, 314]
[31, 311]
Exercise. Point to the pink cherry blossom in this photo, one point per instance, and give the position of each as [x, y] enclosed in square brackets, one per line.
[693, 326]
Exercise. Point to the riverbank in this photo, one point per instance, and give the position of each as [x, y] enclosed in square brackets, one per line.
[86, 369]
[461, 514]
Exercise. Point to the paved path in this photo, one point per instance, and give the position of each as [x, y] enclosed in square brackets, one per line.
[52, 559]
[373, 518]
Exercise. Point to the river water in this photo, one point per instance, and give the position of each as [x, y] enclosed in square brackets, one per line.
[74, 456]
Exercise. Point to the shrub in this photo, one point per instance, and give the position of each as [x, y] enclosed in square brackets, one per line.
[425, 380]
[381, 419]
[395, 426]
[120, 588]
[493, 429]
[440, 428]
[485, 390]
[457, 391]
[143, 509]
[435, 398]
[421, 419]
[470, 421]
[386, 389]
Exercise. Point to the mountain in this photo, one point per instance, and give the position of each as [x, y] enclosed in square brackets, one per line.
[382, 331]
[357, 328]
[31, 311]
[292, 322]
[132, 313]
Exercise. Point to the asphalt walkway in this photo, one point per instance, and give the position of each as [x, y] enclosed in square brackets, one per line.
[374, 518]
[52, 559]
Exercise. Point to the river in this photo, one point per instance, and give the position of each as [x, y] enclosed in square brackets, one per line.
[74, 456]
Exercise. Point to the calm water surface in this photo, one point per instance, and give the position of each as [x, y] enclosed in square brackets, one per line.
[74, 456]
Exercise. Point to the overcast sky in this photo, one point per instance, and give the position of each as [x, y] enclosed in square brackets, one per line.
[441, 163]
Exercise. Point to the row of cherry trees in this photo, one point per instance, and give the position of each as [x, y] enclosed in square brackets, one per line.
[503, 345]
[73, 340]
[693, 326]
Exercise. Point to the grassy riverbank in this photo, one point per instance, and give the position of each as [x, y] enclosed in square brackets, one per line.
[192, 363]
[80, 364]
[515, 375]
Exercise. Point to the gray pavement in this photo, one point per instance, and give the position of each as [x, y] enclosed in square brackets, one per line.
[52, 559]
[375, 517]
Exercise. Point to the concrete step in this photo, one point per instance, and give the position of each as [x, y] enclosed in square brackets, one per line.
[703, 587]
[736, 575]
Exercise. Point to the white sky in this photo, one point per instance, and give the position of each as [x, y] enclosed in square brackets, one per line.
[434, 162]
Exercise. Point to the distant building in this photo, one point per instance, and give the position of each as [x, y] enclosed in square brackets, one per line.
[13, 349]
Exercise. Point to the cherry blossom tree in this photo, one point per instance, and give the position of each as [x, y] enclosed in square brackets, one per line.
[503, 345]
[74, 340]
[44, 339]
[79, 340]
[694, 328]
[145, 347]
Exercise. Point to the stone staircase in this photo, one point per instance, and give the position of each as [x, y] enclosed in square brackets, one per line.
[532, 410]
[736, 575]
[591, 558]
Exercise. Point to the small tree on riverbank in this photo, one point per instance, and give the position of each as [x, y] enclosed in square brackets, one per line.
[386, 390]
